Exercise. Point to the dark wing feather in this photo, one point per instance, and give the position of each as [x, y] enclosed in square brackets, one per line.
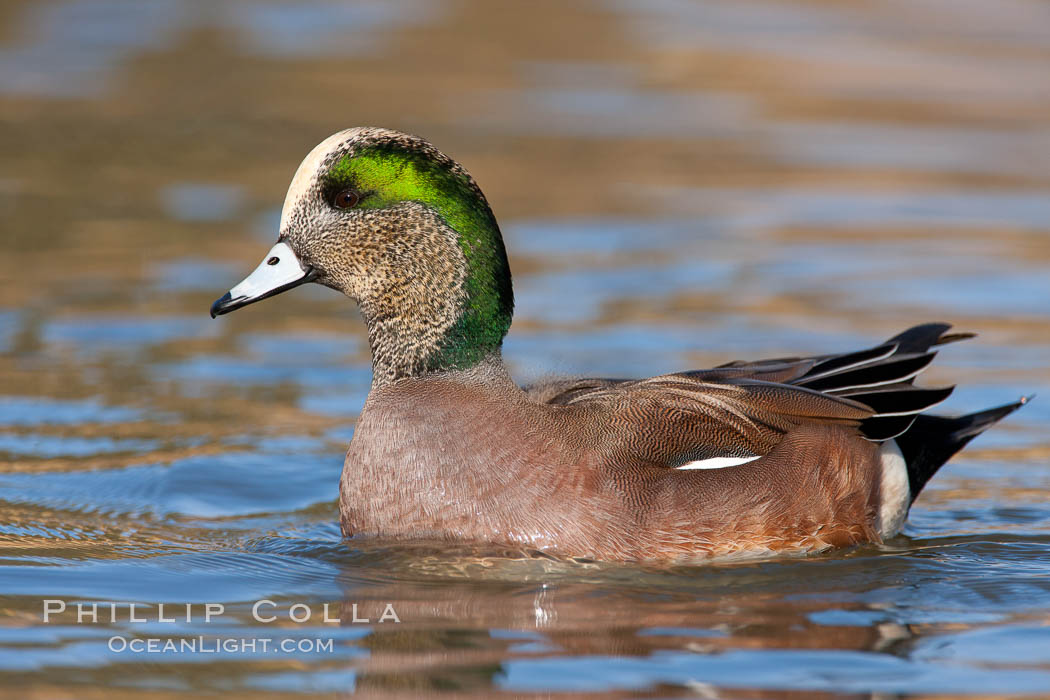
[894, 365]
[563, 391]
[744, 408]
[885, 381]
[890, 370]
[901, 399]
[676, 418]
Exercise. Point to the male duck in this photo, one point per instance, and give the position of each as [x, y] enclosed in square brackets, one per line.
[785, 455]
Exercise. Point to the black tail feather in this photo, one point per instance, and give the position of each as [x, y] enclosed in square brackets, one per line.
[881, 428]
[932, 440]
[882, 377]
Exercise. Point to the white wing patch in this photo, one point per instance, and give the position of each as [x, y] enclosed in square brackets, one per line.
[717, 463]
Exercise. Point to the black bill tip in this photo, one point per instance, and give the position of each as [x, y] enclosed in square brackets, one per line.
[227, 303]
[222, 305]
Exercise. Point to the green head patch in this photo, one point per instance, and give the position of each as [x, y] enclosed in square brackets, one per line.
[384, 175]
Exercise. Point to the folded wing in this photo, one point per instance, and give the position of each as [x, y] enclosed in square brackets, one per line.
[743, 409]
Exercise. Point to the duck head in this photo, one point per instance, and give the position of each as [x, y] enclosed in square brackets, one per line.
[396, 225]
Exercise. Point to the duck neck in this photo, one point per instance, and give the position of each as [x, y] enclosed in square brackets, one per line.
[400, 350]
[419, 330]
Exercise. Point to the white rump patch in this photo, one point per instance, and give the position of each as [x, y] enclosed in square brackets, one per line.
[895, 490]
[717, 463]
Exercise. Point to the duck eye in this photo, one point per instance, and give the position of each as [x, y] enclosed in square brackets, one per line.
[346, 199]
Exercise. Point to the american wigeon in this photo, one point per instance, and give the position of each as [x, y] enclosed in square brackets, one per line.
[785, 455]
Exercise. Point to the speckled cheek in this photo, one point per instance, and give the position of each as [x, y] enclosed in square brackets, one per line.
[401, 246]
[338, 250]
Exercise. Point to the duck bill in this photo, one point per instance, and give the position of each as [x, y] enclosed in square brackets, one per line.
[279, 271]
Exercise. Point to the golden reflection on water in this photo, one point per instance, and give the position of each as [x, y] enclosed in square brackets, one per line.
[679, 184]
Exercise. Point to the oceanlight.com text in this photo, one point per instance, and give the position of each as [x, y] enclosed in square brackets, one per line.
[220, 645]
